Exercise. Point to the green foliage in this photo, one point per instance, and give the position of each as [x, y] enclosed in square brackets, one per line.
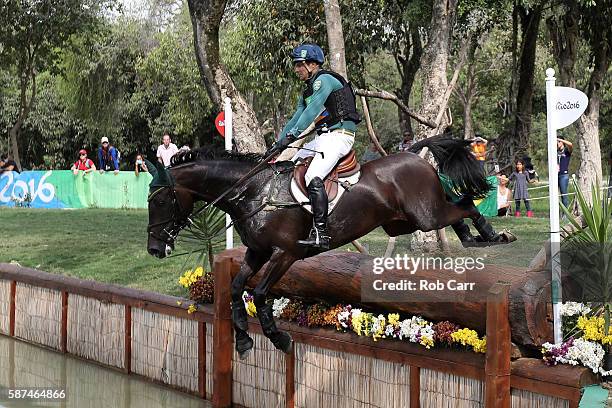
[204, 238]
[588, 249]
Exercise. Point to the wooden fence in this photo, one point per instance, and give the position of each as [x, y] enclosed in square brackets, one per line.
[152, 336]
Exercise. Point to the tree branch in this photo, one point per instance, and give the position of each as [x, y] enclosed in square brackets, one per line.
[392, 97]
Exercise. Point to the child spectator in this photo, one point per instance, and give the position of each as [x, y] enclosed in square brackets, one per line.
[504, 196]
[521, 178]
[140, 166]
[83, 163]
[108, 156]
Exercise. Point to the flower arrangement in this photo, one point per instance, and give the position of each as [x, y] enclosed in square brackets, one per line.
[586, 344]
[199, 283]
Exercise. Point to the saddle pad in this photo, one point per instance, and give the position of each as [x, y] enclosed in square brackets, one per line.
[300, 197]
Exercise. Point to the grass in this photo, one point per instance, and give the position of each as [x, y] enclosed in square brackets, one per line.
[110, 245]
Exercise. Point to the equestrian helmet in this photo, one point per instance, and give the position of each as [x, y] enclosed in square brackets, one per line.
[308, 52]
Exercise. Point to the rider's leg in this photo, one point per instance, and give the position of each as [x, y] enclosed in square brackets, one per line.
[303, 153]
[318, 201]
[334, 146]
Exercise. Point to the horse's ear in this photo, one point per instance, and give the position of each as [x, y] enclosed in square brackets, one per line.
[161, 175]
[152, 168]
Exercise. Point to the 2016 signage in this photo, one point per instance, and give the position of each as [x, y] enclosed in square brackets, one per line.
[19, 189]
[567, 105]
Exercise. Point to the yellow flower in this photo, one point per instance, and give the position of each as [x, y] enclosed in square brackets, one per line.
[394, 319]
[467, 337]
[251, 309]
[178, 302]
[427, 342]
[192, 308]
[592, 327]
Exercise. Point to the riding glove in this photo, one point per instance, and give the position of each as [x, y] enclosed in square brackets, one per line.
[281, 144]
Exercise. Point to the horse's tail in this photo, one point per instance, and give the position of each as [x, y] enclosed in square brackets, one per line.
[456, 161]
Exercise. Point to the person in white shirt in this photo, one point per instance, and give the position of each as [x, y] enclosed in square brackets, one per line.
[504, 196]
[166, 150]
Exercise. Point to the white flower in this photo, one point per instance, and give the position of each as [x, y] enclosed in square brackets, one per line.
[574, 308]
[343, 318]
[279, 305]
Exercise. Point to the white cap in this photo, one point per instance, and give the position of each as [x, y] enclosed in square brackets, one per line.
[104, 139]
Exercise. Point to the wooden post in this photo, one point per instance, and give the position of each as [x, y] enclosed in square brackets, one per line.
[497, 365]
[12, 309]
[64, 335]
[290, 378]
[127, 345]
[222, 335]
[202, 359]
[415, 387]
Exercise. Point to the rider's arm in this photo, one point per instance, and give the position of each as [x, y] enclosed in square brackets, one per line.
[298, 112]
[316, 104]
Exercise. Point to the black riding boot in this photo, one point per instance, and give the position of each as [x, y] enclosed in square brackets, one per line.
[486, 231]
[463, 232]
[318, 237]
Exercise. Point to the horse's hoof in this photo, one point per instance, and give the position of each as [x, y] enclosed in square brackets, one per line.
[508, 236]
[283, 342]
[244, 346]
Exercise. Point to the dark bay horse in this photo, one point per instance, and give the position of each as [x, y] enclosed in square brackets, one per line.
[402, 193]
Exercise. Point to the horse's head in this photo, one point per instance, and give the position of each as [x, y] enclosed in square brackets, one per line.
[169, 209]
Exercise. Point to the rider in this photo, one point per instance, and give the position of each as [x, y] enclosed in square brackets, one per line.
[329, 102]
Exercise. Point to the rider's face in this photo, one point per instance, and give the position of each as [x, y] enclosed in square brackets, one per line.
[304, 69]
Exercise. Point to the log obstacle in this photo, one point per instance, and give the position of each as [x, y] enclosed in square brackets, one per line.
[339, 276]
[326, 368]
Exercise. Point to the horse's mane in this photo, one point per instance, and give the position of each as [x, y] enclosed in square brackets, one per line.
[212, 152]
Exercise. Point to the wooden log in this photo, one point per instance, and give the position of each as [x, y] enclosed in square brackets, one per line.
[339, 276]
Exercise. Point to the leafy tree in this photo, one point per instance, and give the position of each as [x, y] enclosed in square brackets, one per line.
[34, 33]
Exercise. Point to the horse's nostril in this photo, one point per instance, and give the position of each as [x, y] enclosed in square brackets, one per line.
[153, 251]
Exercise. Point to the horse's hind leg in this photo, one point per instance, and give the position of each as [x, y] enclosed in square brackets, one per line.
[279, 263]
[252, 263]
[485, 229]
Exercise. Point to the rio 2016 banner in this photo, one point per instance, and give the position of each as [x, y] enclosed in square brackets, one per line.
[63, 189]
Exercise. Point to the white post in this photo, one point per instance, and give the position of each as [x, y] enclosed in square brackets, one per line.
[229, 232]
[553, 185]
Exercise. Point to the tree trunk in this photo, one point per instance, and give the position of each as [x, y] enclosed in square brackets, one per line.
[514, 142]
[434, 62]
[408, 63]
[25, 106]
[205, 19]
[530, 23]
[335, 37]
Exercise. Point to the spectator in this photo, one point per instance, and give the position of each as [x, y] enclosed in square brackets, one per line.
[479, 150]
[8, 164]
[504, 196]
[83, 163]
[564, 154]
[370, 154]
[521, 178]
[406, 142]
[166, 150]
[140, 166]
[108, 157]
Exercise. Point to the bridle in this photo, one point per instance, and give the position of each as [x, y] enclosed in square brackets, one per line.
[179, 222]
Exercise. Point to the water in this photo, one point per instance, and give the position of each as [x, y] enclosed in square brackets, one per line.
[87, 385]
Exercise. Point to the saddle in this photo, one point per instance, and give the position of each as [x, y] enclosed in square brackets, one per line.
[346, 167]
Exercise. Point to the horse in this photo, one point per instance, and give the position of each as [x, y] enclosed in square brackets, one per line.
[402, 193]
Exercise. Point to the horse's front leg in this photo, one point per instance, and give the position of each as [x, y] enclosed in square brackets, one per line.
[279, 263]
[252, 263]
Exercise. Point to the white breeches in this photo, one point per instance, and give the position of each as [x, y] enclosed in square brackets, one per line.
[334, 145]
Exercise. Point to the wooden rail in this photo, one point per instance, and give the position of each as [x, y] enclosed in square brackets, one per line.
[495, 368]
